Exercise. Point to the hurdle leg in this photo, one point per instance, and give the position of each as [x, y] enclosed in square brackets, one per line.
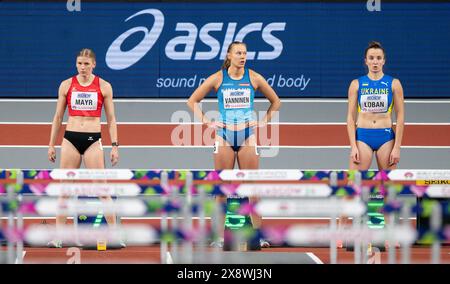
[201, 244]
[10, 227]
[174, 227]
[216, 227]
[435, 226]
[365, 193]
[187, 247]
[406, 252]
[357, 243]
[390, 227]
[164, 219]
[164, 229]
[19, 222]
[333, 229]
[119, 224]
[75, 222]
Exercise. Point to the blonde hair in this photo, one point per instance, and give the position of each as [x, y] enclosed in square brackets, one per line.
[226, 63]
[86, 52]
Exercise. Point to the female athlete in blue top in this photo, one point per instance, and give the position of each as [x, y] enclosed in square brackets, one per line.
[373, 97]
[235, 86]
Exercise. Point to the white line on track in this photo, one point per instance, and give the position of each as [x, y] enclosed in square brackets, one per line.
[198, 123]
[183, 100]
[169, 258]
[314, 258]
[210, 147]
[23, 256]
[158, 218]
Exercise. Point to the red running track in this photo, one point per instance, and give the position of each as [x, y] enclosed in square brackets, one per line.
[160, 135]
[151, 254]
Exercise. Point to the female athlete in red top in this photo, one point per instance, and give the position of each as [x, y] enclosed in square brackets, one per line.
[84, 95]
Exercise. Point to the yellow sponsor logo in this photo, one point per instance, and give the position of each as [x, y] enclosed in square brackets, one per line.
[430, 182]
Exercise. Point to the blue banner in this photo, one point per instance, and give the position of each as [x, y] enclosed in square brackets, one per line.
[166, 50]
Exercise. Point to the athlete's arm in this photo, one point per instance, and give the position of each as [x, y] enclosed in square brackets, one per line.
[399, 107]
[212, 82]
[110, 118]
[58, 118]
[351, 119]
[260, 84]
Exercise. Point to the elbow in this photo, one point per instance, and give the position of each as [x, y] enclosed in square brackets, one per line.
[350, 121]
[57, 119]
[111, 120]
[190, 103]
[401, 116]
[279, 103]
[276, 104]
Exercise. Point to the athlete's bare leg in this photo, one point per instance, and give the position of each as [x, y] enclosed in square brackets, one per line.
[94, 159]
[224, 158]
[365, 157]
[382, 156]
[70, 159]
[248, 159]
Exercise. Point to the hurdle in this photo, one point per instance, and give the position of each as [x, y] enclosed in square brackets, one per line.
[197, 199]
[389, 229]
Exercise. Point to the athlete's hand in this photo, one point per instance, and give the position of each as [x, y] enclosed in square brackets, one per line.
[114, 156]
[262, 124]
[255, 123]
[355, 155]
[394, 157]
[215, 124]
[51, 154]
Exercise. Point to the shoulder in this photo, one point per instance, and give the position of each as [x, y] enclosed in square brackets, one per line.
[67, 82]
[395, 81]
[218, 74]
[65, 85]
[253, 74]
[104, 84]
[396, 85]
[216, 77]
[105, 87]
[256, 78]
[354, 83]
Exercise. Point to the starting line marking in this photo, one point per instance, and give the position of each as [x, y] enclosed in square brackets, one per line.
[169, 258]
[23, 256]
[314, 258]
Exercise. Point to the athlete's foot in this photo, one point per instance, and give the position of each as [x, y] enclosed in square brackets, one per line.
[217, 243]
[386, 244]
[55, 244]
[264, 243]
